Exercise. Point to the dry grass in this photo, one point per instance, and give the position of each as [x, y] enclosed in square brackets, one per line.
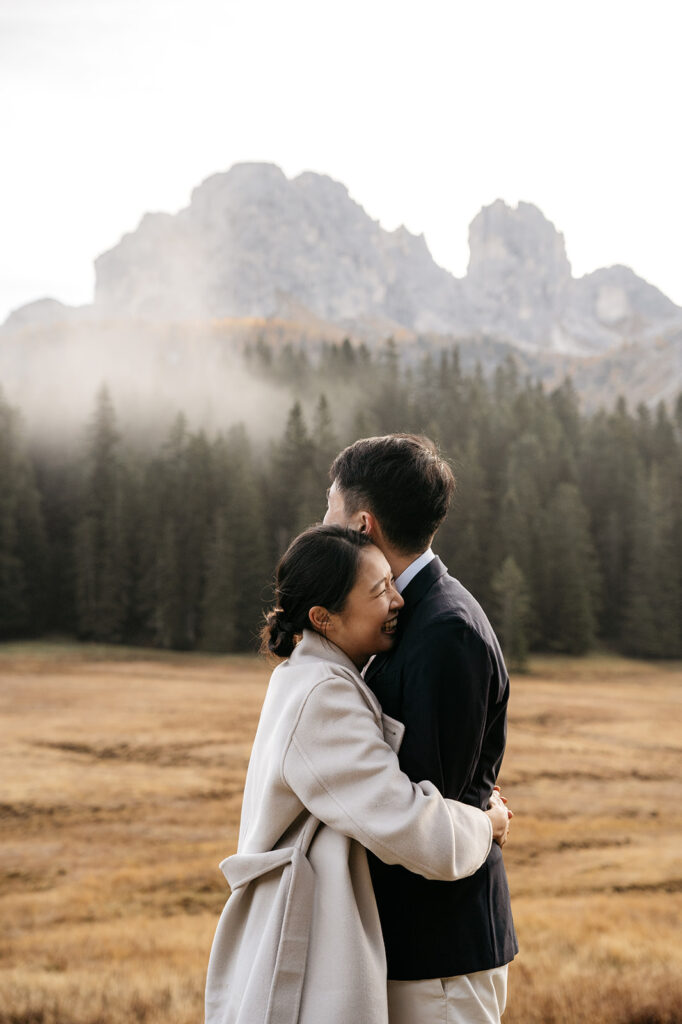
[122, 775]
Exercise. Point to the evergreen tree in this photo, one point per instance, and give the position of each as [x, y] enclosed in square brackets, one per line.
[245, 519]
[86, 581]
[639, 620]
[194, 517]
[219, 632]
[22, 537]
[520, 525]
[386, 412]
[568, 608]
[565, 406]
[511, 612]
[677, 419]
[666, 498]
[652, 607]
[167, 608]
[140, 538]
[326, 444]
[58, 490]
[183, 502]
[100, 557]
[294, 500]
[611, 474]
[462, 537]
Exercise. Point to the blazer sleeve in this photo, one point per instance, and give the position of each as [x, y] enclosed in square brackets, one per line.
[454, 700]
[340, 767]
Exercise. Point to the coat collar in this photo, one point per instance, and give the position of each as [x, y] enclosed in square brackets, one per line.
[312, 645]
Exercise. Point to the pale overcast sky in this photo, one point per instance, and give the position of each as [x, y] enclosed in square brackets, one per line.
[425, 110]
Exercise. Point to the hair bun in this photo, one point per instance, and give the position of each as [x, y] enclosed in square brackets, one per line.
[281, 634]
[282, 623]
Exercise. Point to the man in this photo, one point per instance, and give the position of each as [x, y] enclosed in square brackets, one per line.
[448, 944]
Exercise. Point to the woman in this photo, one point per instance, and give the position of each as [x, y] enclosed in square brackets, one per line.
[299, 941]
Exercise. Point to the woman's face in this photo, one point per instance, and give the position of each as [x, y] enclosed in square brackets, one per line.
[368, 622]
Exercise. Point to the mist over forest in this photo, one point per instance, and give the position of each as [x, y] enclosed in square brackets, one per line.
[258, 257]
[160, 525]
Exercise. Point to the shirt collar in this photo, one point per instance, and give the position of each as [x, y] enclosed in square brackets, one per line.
[413, 568]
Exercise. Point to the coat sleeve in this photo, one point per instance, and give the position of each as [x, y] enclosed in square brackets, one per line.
[340, 767]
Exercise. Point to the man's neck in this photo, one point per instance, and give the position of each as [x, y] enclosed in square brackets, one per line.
[398, 560]
[413, 569]
[403, 562]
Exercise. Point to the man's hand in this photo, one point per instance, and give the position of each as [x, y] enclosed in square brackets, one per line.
[500, 816]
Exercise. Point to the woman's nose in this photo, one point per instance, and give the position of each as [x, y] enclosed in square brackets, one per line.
[397, 601]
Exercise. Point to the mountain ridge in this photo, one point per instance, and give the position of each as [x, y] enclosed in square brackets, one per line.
[252, 242]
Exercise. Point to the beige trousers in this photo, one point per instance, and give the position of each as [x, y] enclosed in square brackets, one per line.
[478, 998]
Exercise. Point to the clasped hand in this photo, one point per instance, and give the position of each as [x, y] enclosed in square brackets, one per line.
[500, 816]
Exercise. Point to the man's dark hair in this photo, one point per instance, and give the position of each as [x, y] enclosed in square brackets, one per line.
[402, 480]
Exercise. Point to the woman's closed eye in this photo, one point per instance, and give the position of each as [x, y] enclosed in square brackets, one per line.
[388, 584]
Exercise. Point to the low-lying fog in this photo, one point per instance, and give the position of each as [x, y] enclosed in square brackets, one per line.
[152, 373]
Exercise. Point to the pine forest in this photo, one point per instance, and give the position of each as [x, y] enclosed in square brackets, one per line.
[566, 527]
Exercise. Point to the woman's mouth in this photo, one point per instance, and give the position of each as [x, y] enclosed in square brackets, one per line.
[390, 626]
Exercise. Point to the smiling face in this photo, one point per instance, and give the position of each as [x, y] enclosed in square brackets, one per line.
[367, 624]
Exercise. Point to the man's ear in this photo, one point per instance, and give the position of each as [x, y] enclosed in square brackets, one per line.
[319, 619]
[368, 524]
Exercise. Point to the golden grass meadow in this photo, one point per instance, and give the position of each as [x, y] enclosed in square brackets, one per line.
[122, 773]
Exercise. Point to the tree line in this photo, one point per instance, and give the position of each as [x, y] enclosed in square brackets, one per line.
[567, 528]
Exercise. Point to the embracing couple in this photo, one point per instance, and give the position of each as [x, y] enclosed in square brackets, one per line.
[369, 886]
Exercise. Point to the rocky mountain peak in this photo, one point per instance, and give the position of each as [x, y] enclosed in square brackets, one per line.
[518, 274]
[244, 182]
[503, 238]
[253, 243]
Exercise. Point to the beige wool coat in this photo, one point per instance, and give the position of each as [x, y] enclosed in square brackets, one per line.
[299, 940]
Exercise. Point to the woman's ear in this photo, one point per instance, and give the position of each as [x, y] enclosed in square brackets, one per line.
[319, 619]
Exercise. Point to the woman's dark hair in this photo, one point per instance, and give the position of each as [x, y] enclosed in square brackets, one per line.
[318, 568]
[402, 480]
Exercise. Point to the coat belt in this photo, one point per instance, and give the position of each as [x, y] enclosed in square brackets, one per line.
[298, 882]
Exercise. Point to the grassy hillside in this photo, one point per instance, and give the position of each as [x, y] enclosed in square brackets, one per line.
[122, 775]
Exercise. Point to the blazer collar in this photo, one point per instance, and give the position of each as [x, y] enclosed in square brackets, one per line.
[412, 595]
[422, 582]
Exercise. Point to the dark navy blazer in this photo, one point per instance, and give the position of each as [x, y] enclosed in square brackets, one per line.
[446, 680]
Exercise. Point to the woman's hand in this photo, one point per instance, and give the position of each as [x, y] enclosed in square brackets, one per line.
[499, 815]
